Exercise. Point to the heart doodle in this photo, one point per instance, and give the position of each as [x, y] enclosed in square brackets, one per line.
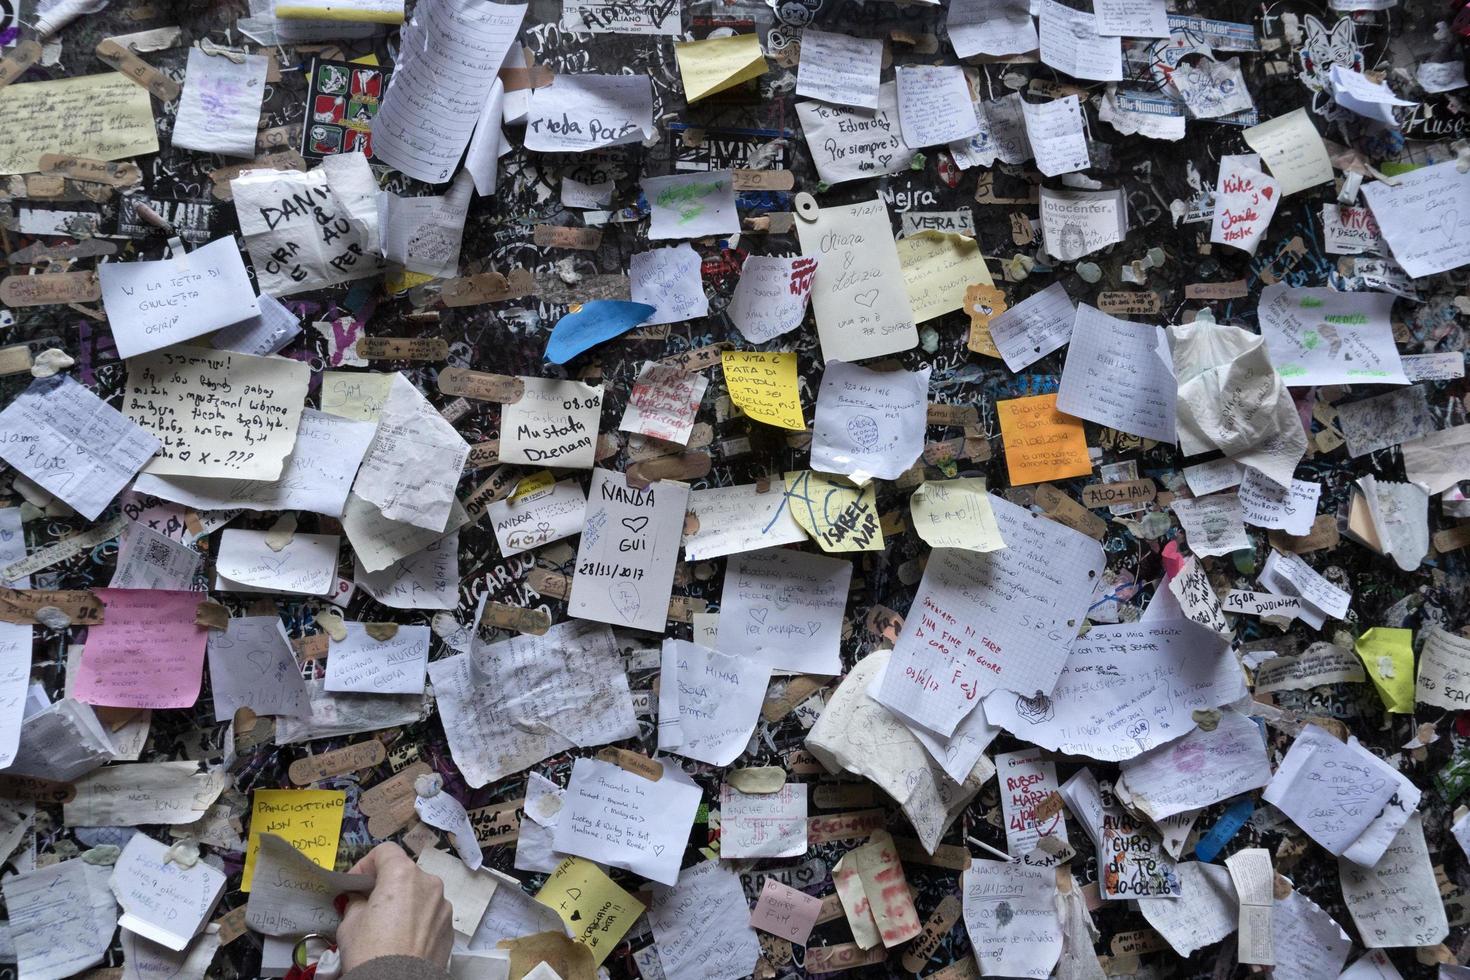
[635, 524]
[759, 615]
[866, 299]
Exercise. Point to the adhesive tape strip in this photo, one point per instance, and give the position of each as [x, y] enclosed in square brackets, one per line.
[806, 206]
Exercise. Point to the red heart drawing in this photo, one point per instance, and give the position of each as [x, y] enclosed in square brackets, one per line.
[1268, 192]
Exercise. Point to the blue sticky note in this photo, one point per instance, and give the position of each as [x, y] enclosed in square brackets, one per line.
[596, 321]
[1214, 841]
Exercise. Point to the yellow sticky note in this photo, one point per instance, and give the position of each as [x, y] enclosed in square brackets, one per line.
[310, 820]
[840, 516]
[1388, 656]
[938, 268]
[763, 386]
[1041, 443]
[719, 63]
[955, 514]
[355, 394]
[595, 909]
[356, 11]
[103, 117]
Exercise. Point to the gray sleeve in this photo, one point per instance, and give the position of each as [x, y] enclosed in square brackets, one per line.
[396, 968]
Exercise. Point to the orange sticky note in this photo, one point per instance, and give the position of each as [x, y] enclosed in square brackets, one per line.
[1041, 443]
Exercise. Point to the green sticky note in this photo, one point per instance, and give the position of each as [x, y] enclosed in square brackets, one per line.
[1388, 656]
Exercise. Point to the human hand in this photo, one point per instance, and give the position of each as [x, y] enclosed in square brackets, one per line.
[404, 915]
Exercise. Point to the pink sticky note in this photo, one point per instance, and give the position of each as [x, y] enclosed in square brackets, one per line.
[147, 653]
[783, 911]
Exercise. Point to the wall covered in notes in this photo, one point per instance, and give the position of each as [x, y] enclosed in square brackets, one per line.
[1116, 206]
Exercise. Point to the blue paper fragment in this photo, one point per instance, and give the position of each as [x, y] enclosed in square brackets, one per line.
[596, 321]
[1214, 841]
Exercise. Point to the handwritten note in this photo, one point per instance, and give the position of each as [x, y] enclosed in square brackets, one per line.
[691, 205]
[1420, 219]
[163, 901]
[1444, 670]
[412, 468]
[668, 279]
[768, 825]
[718, 63]
[148, 653]
[525, 522]
[853, 144]
[219, 110]
[727, 520]
[664, 402]
[869, 423]
[597, 912]
[987, 622]
[1034, 327]
[708, 702]
[625, 561]
[955, 514]
[102, 117]
[1012, 919]
[934, 104]
[369, 665]
[839, 68]
[62, 916]
[700, 925]
[1119, 374]
[308, 230]
[310, 820]
[1124, 689]
[1397, 901]
[839, 516]
[73, 444]
[1320, 336]
[553, 423]
[763, 386]
[1041, 442]
[450, 55]
[569, 689]
[770, 298]
[307, 565]
[1293, 150]
[861, 307]
[938, 268]
[621, 819]
[578, 112]
[155, 304]
[1057, 136]
[1245, 200]
[217, 413]
[784, 608]
[251, 666]
[1076, 223]
[1330, 790]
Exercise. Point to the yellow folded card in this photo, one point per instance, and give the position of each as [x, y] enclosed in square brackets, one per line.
[719, 63]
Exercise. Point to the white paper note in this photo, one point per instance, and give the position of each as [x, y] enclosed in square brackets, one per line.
[998, 621]
[412, 468]
[576, 113]
[728, 520]
[554, 423]
[449, 57]
[784, 608]
[621, 819]
[625, 560]
[155, 304]
[708, 702]
[869, 423]
[934, 105]
[1119, 374]
[855, 144]
[1034, 327]
[73, 444]
[219, 110]
[307, 565]
[1318, 336]
[162, 900]
[839, 68]
[1012, 918]
[1071, 44]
